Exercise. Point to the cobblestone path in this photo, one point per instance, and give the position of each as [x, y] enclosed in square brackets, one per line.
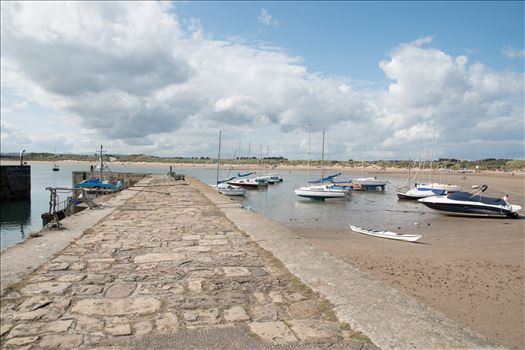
[167, 263]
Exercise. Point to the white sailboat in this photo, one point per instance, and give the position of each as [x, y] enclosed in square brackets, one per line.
[436, 185]
[421, 192]
[226, 188]
[319, 191]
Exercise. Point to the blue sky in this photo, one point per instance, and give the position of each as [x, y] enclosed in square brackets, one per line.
[350, 38]
[163, 78]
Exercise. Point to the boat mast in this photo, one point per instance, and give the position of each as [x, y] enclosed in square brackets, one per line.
[261, 163]
[322, 160]
[267, 158]
[219, 157]
[101, 162]
[309, 156]
[432, 159]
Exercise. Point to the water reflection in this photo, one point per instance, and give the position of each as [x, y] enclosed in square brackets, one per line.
[15, 215]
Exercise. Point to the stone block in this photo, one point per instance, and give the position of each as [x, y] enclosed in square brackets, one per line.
[236, 271]
[120, 290]
[117, 330]
[45, 288]
[202, 317]
[314, 329]
[21, 341]
[117, 307]
[235, 314]
[157, 257]
[167, 323]
[62, 341]
[273, 332]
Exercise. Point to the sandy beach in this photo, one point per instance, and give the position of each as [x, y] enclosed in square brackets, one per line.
[471, 269]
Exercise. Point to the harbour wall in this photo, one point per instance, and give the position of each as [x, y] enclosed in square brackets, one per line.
[15, 181]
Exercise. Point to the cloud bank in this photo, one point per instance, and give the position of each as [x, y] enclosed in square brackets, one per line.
[132, 73]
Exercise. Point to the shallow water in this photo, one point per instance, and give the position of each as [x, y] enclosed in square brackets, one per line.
[381, 209]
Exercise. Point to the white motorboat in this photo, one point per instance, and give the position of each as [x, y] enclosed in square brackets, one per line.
[276, 178]
[248, 183]
[472, 204]
[265, 178]
[230, 190]
[418, 193]
[387, 234]
[321, 192]
[438, 186]
[370, 183]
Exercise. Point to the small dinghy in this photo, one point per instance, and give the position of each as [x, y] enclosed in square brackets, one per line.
[387, 234]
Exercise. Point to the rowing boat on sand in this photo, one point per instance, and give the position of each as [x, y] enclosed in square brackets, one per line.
[387, 234]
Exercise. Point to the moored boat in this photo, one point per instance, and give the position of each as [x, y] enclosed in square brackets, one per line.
[418, 193]
[230, 190]
[100, 184]
[321, 192]
[439, 186]
[371, 183]
[472, 204]
[247, 183]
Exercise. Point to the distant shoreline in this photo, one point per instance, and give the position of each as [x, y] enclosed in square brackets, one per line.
[367, 170]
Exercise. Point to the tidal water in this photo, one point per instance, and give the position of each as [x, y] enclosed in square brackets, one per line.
[371, 209]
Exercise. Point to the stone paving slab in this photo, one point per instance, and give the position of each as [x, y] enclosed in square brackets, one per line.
[178, 275]
[391, 319]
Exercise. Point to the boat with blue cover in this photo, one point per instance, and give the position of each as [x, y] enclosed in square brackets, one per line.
[97, 183]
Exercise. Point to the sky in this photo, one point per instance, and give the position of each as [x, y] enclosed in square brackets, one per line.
[162, 78]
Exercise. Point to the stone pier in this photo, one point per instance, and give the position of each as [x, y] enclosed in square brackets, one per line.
[167, 270]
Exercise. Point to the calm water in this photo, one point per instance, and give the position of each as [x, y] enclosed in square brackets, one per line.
[278, 202]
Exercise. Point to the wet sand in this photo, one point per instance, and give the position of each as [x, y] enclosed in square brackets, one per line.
[471, 269]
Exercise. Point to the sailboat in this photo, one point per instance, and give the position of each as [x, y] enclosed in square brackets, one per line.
[243, 180]
[55, 166]
[419, 192]
[320, 191]
[435, 185]
[222, 186]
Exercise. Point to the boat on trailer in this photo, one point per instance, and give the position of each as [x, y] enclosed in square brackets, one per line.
[472, 204]
[387, 234]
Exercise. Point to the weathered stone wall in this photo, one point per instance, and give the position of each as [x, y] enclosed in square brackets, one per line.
[15, 181]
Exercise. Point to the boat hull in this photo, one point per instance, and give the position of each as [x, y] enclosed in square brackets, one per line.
[437, 186]
[319, 193]
[469, 209]
[370, 183]
[253, 185]
[387, 234]
[417, 193]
